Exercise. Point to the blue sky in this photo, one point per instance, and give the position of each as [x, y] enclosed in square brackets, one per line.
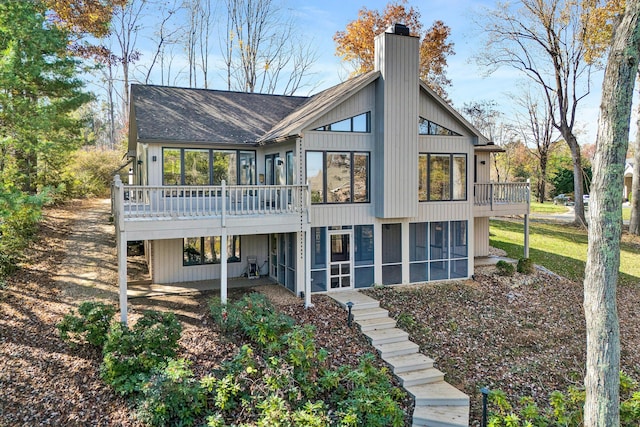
[318, 21]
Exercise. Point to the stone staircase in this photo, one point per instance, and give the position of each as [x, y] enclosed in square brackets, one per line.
[437, 403]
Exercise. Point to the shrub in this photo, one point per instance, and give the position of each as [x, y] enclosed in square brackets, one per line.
[365, 396]
[19, 217]
[171, 396]
[565, 409]
[131, 354]
[91, 325]
[505, 268]
[525, 266]
[91, 172]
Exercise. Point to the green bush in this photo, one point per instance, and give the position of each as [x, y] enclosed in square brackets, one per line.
[91, 325]
[255, 317]
[20, 214]
[171, 396]
[505, 268]
[525, 266]
[365, 396]
[565, 409]
[131, 354]
[91, 172]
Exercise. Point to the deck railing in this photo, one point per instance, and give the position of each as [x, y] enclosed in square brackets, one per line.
[137, 202]
[501, 193]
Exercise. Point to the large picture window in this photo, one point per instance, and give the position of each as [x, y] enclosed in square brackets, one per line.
[338, 177]
[184, 166]
[442, 177]
[207, 250]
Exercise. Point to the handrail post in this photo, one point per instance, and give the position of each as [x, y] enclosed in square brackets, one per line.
[224, 204]
[491, 195]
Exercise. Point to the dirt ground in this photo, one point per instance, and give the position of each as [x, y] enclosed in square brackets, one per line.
[45, 382]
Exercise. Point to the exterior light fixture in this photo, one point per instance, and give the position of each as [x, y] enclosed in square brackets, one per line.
[485, 394]
[349, 316]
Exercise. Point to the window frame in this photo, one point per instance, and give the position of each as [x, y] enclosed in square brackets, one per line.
[327, 128]
[427, 183]
[352, 155]
[233, 256]
[211, 155]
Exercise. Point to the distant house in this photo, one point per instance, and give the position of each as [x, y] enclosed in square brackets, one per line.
[628, 178]
[375, 180]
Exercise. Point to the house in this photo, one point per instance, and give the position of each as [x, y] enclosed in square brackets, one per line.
[374, 181]
[628, 179]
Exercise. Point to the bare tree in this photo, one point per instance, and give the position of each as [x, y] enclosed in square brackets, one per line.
[602, 380]
[164, 35]
[537, 130]
[634, 222]
[547, 40]
[261, 50]
[125, 25]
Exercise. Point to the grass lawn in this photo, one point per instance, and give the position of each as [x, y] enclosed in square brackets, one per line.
[548, 208]
[626, 213]
[561, 248]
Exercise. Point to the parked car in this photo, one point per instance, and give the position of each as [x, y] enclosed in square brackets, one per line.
[562, 199]
[585, 200]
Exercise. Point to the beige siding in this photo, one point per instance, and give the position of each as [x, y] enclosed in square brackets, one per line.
[481, 236]
[168, 268]
[483, 170]
[396, 126]
[360, 103]
[434, 112]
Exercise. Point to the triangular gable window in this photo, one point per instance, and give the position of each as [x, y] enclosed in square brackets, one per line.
[427, 127]
[359, 123]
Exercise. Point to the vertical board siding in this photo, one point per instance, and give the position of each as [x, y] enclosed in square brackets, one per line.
[434, 112]
[481, 236]
[359, 103]
[397, 146]
[484, 171]
[168, 268]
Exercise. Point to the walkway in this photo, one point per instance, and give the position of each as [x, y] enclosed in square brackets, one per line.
[437, 403]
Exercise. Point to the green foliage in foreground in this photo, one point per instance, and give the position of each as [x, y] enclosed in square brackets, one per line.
[505, 268]
[565, 409]
[525, 266]
[284, 381]
[131, 354]
[19, 217]
[90, 325]
[290, 376]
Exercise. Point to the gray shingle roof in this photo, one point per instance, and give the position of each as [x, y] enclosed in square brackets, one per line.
[199, 115]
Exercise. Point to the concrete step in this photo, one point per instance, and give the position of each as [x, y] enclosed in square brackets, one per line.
[378, 323]
[409, 362]
[441, 416]
[438, 394]
[369, 313]
[360, 301]
[422, 376]
[386, 336]
[397, 349]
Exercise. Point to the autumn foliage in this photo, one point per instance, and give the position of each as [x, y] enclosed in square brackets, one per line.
[356, 43]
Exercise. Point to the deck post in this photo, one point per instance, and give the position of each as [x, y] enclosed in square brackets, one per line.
[223, 266]
[307, 268]
[122, 273]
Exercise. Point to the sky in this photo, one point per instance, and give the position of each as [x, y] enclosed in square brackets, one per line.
[319, 20]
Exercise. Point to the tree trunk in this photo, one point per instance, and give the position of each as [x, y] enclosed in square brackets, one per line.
[634, 223]
[602, 381]
[578, 180]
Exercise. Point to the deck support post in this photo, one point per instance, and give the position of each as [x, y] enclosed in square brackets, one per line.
[307, 268]
[223, 266]
[526, 235]
[122, 273]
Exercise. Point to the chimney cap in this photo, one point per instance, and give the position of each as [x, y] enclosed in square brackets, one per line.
[399, 29]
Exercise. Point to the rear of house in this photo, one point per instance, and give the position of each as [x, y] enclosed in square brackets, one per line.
[376, 180]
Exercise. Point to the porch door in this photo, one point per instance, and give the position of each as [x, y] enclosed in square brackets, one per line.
[341, 260]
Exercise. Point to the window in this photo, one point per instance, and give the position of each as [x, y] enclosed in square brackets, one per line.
[318, 259]
[442, 177]
[186, 166]
[363, 254]
[391, 254]
[427, 127]
[359, 123]
[418, 252]
[206, 250]
[338, 177]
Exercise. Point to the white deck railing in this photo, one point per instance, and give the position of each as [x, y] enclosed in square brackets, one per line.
[501, 193]
[137, 202]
